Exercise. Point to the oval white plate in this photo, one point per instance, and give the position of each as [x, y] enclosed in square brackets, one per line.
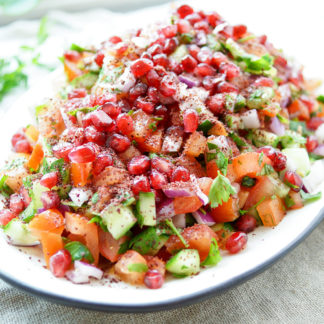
[27, 272]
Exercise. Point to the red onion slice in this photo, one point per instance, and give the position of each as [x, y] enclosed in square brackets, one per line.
[203, 217]
[82, 273]
[189, 81]
[277, 127]
[165, 209]
[179, 189]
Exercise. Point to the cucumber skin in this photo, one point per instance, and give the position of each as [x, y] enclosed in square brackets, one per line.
[184, 263]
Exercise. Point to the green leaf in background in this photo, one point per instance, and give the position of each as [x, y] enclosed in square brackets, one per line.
[16, 7]
[42, 33]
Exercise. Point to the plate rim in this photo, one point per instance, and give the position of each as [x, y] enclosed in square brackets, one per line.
[173, 303]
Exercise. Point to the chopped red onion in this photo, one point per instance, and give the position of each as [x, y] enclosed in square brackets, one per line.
[179, 220]
[189, 81]
[277, 127]
[82, 273]
[179, 189]
[203, 217]
[165, 209]
[250, 119]
[64, 208]
[40, 210]
[319, 150]
[80, 196]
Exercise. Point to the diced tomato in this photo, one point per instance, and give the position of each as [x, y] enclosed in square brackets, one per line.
[296, 199]
[298, 109]
[51, 244]
[183, 205]
[226, 212]
[36, 157]
[32, 133]
[152, 143]
[80, 173]
[195, 144]
[71, 70]
[271, 211]
[6, 216]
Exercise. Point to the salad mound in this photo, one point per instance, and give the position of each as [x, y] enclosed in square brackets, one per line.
[164, 147]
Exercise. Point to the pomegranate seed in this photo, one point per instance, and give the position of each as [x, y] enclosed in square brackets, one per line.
[315, 122]
[230, 70]
[139, 89]
[86, 120]
[161, 59]
[72, 56]
[95, 147]
[60, 262]
[218, 58]
[210, 82]
[213, 19]
[202, 25]
[23, 146]
[99, 58]
[194, 50]
[62, 150]
[104, 159]
[125, 124]
[184, 10]
[204, 55]
[268, 151]
[246, 223]
[175, 67]
[239, 31]
[293, 180]
[25, 195]
[77, 93]
[155, 49]
[162, 112]
[6, 216]
[100, 120]
[225, 87]
[153, 95]
[190, 120]
[141, 66]
[309, 102]
[162, 165]
[153, 78]
[216, 103]
[263, 82]
[115, 39]
[49, 180]
[16, 203]
[16, 138]
[311, 143]
[120, 49]
[236, 242]
[138, 165]
[170, 45]
[180, 174]
[189, 63]
[169, 31]
[50, 199]
[204, 69]
[140, 184]
[74, 135]
[158, 180]
[153, 279]
[146, 106]
[167, 87]
[104, 98]
[93, 135]
[184, 26]
[279, 161]
[111, 109]
[193, 18]
[82, 154]
[279, 60]
[119, 143]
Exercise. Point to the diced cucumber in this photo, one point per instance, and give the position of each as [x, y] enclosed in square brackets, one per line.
[179, 53]
[118, 219]
[184, 263]
[38, 189]
[281, 189]
[146, 210]
[260, 97]
[19, 234]
[263, 138]
[298, 160]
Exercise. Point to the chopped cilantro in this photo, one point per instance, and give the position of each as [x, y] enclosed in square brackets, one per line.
[267, 169]
[205, 126]
[260, 160]
[80, 49]
[186, 38]
[222, 162]
[145, 242]
[290, 139]
[153, 126]
[289, 202]
[248, 182]
[238, 140]
[283, 119]
[310, 197]
[243, 212]
[39, 108]
[176, 232]
[28, 214]
[86, 80]
[98, 220]
[79, 251]
[83, 109]
[213, 256]
[220, 191]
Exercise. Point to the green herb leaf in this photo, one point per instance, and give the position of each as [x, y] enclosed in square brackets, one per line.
[283, 119]
[289, 202]
[320, 98]
[248, 182]
[220, 191]
[137, 267]
[98, 220]
[267, 169]
[176, 232]
[308, 198]
[243, 212]
[80, 49]
[222, 162]
[186, 38]
[205, 126]
[290, 139]
[260, 160]
[86, 80]
[83, 109]
[28, 214]
[238, 140]
[79, 251]
[42, 33]
[213, 256]
[153, 126]
[5, 190]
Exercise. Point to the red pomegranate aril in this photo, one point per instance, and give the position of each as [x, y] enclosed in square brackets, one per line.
[125, 124]
[140, 184]
[138, 165]
[184, 10]
[153, 279]
[59, 263]
[100, 120]
[82, 154]
[204, 55]
[141, 66]
[49, 180]
[236, 242]
[246, 223]
[77, 93]
[279, 162]
[62, 150]
[17, 137]
[279, 60]
[193, 18]
[175, 67]
[161, 59]
[311, 143]
[225, 87]
[189, 63]
[50, 199]
[314, 123]
[104, 159]
[184, 26]
[309, 102]
[153, 95]
[72, 56]
[153, 78]
[155, 49]
[170, 45]
[216, 103]
[115, 39]
[213, 19]
[218, 58]
[23, 146]
[194, 50]
[263, 82]
[239, 31]
[146, 106]
[6, 216]
[162, 112]
[93, 135]
[119, 143]
[104, 98]
[268, 151]
[99, 58]
[167, 87]
[139, 89]
[16, 204]
[25, 195]
[230, 70]
[209, 82]
[201, 25]
[190, 120]
[169, 31]
[111, 109]
[162, 165]
[120, 49]
[203, 69]
[180, 174]
[293, 180]
[158, 180]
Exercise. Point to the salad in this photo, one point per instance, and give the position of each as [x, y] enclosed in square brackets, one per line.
[163, 148]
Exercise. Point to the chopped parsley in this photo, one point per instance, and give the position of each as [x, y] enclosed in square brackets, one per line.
[222, 162]
[80, 49]
[98, 220]
[153, 126]
[289, 202]
[79, 251]
[146, 242]
[267, 169]
[307, 197]
[213, 256]
[205, 126]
